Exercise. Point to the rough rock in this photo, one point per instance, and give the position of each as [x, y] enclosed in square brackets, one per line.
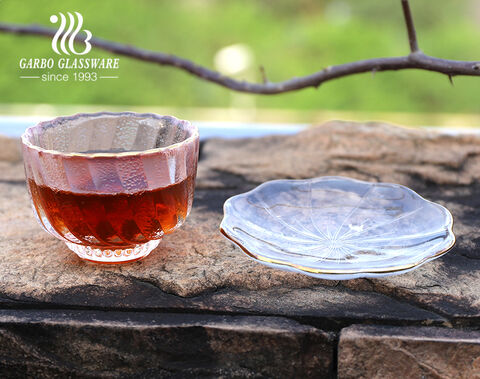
[46, 344]
[195, 268]
[409, 352]
[197, 261]
[10, 149]
[197, 271]
[370, 151]
[442, 167]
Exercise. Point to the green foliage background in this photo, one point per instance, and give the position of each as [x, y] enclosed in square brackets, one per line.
[289, 38]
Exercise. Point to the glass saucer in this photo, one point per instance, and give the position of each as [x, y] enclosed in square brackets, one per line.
[338, 228]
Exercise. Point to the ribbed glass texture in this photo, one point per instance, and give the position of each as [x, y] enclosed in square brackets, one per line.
[111, 184]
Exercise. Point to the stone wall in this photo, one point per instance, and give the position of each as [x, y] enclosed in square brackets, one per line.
[197, 306]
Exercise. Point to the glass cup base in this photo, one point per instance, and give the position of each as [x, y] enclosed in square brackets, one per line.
[113, 255]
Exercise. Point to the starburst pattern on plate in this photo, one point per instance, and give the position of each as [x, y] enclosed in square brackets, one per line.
[338, 228]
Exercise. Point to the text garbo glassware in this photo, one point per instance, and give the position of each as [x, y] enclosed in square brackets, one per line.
[111, 184]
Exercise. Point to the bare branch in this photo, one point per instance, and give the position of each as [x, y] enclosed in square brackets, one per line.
[413, 61]
[264, 74]
[412, 35]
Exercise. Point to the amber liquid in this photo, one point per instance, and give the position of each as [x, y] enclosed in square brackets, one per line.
[113, 220]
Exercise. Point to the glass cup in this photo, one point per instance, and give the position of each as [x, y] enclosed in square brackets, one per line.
[111, 184]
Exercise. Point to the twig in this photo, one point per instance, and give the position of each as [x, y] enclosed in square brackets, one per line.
[412, 35]
[415, 60]
[264, 74]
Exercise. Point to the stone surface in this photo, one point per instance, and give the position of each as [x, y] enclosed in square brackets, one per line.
[193, 264]
[45, 344]
[408, 352]
[12, 172]
[196, 270]
[371, 151]
[442, 167]
[10, 149]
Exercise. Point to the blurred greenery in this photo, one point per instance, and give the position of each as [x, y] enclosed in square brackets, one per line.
[289, 38]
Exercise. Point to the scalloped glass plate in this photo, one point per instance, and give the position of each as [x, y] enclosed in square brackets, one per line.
[338, 228]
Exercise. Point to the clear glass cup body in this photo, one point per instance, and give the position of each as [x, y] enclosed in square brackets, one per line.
[111, 184]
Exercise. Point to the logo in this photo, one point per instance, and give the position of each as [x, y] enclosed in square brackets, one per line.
[67, 67]
[70, 34]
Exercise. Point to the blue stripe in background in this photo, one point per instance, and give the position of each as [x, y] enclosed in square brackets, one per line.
[13, 126]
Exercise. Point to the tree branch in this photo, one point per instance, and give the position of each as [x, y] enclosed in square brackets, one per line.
[416, 60]
[264, 74]
[412, 35]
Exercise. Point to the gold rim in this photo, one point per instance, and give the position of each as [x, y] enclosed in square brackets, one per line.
[342, 272]
[337, 272]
